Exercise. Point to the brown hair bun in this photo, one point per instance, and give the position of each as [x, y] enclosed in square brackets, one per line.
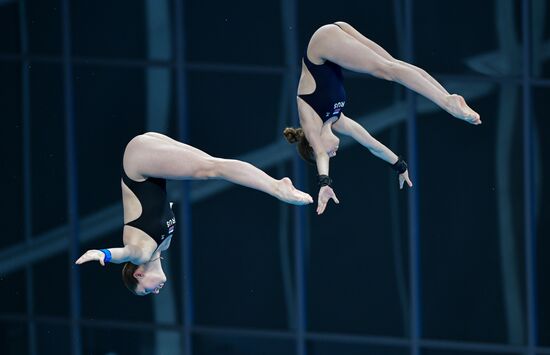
[293, 135]
[296, 135]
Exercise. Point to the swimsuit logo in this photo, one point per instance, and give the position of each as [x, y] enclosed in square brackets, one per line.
[337, 108]
[339, 105]
[171, 222]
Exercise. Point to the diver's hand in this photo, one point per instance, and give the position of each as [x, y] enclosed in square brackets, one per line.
[92, 255]
[325, 194]
[404, 177]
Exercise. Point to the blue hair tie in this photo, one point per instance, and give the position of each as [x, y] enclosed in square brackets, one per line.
[107, 253]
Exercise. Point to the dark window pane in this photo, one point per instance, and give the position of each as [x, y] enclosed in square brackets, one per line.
[444, 43]
[13, 337]
[44, 26]
[111, 108]
[48, 178]
[14, 293]
[233, 345]
[97, 340]
[461, 352]
[11, 205]
[239, 32]
[542, 191]
[541, 37]
[51, 286]
[9, 27]
[233, 114]
[358, 266]
[367, 96]
[238, 261]
[471, 218]
[53, 336]
[326, 348]
[110, 36]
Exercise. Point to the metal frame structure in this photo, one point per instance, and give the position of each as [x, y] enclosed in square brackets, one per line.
[27, 182]
[185, 214]
[298, 333]
[415, 323]
[72, 180]
[528, 183]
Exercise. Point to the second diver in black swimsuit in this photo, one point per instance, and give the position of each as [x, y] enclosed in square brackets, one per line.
[322, 99]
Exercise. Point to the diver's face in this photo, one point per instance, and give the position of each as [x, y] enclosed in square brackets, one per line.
[149, 282]
[329, 140]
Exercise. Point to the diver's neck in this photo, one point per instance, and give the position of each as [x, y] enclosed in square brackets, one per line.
[154, 263]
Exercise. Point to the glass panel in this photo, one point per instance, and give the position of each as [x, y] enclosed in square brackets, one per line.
[122, 341]
[48, 177]
[51, 286]
[471, 221]
[53, 336]
[223, 121]
[44, 25]
[326, 348]
[238, 261]
[540, 27]
[367, 95]
[374, 19]
[542, 188]
[443, 43]
[11, 204]
[9, 25]
[112, 106]
[235, 345]
[358, 267]
[462, 352]
[112, 37]
[237, 32]
[13, 337]
[14, 293]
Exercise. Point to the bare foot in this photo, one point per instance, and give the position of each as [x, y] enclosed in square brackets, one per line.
[286, 192]
[456, 106]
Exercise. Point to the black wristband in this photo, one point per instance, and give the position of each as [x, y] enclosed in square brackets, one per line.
[400, 166]
[324, 180]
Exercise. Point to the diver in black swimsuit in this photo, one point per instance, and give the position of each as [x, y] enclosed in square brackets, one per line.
[322, 98]
[149, 223]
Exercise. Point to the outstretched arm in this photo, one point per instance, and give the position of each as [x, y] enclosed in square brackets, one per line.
[349, 127]
[118, 255]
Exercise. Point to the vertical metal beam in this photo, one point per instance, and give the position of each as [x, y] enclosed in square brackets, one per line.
[300, 260]
[185, 211]
[159, 93]
[510, 285]
[290, 37]
[72, 179]
[159, 80]
[528, 182]
[284, 220]
[27, 182]
[414, 229]
[401, 278]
